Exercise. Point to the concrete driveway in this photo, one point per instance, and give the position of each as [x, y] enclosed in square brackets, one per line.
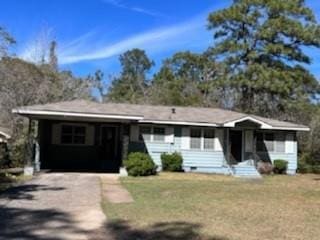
[53, 206]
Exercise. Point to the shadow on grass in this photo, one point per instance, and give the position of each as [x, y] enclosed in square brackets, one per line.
[121, 230]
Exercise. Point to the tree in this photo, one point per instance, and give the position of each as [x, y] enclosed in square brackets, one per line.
[261, 42]
[188, 79]
[6, 40]
[23, 83]
[132, 84]
[53, 59]
[38, 49]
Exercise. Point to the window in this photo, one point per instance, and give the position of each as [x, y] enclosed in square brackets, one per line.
[208, 137]
[195, 138]
[280, 142]
[72, 134]
[145, 133]
[158, 134]
[271, 142]
[260, 142]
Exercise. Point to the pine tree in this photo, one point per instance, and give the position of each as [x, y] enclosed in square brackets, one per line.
[132, 84]
[261, 42]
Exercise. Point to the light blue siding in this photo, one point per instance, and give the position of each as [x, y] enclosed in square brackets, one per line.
[204, 160]
[192, 158]
[198, 161]
[291, 158]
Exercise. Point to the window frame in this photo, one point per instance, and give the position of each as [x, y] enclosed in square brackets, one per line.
[140, 137]
[213, 139]
[275, 142]
[202, 139]
[72, 134]
[164, 134]
[152, 139]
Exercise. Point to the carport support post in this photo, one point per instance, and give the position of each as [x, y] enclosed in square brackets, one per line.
[28, 153]
[32, 149]
[36, 140]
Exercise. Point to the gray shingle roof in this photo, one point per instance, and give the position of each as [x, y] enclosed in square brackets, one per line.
[156, 113]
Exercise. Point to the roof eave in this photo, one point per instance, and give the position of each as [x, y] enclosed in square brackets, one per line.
[42, 113]
[173, 122]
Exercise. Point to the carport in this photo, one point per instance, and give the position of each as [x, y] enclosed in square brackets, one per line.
[78, 141]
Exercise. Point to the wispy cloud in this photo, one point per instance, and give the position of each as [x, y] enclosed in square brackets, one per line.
[121, 4]
[36, 50]
[155, 40]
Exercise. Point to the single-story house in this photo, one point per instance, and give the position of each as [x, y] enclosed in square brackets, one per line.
[84, 135]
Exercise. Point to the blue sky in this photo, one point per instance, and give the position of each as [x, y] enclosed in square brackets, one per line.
[91, 34]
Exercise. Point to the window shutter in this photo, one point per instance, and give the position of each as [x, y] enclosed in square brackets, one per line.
[169, 138]
[134, 133]
[249, 141]
[289, 143]
[56, 134]
[185, 138]
[90, 135]
[218, 143]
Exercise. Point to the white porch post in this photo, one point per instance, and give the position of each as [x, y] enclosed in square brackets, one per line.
[228, 146]
[36, 145]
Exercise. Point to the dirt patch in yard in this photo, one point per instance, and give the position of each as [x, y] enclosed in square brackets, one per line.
[113, 191]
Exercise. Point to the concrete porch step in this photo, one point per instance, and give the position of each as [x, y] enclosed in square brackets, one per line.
[245, 171]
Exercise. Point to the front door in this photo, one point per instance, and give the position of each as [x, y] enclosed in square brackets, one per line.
[109, 149]
[235, 146]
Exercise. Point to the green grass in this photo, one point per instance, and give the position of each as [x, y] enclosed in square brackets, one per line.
[220, 207]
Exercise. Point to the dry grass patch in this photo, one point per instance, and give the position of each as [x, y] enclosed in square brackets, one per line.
[221, 207]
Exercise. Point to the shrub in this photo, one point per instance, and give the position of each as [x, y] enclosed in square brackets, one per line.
[280, 166]
[171, 162]
[264, 167]
[307, 159]
[140, 164]
[304, 167]
[316, 169]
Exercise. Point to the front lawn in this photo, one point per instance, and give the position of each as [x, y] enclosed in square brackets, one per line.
[198, 206]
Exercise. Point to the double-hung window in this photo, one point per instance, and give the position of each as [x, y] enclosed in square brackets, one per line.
[195, 138]
[271, 142]
[144, 133]
[158, 134]
[152, 134]
[73, 134]
[202, 139]
[208, 139]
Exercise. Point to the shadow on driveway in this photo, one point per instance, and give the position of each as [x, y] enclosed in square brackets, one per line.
[25, 191]
[51, 207]
[18, 223]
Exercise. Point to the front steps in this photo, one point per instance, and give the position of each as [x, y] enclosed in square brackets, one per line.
[245, 171]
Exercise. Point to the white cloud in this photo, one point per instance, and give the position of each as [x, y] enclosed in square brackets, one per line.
[36, 50]
[120, 4]
[156, 40]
